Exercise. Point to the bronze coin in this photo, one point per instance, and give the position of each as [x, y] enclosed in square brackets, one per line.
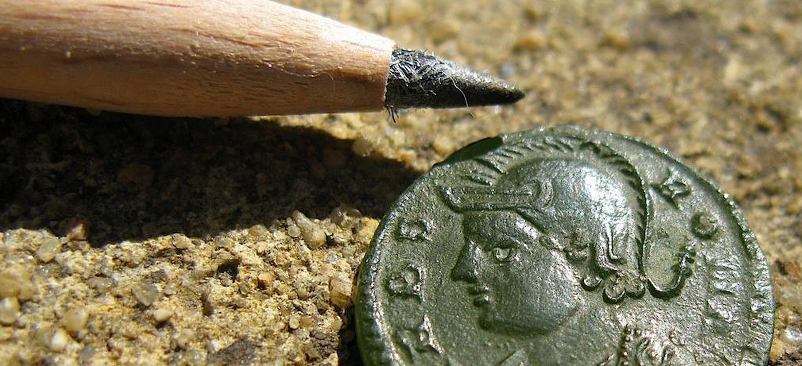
[564, 246]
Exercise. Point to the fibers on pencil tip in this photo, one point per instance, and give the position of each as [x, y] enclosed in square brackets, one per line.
[421, 80]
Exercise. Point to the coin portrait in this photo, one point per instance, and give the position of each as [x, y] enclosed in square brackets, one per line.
[564, 246]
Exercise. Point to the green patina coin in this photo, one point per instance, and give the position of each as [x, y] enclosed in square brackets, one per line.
[564, 247]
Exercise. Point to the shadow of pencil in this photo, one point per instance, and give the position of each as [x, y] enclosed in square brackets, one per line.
[135, 177]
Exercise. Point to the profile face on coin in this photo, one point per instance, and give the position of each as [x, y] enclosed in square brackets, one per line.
[564, 246]
[513, 277]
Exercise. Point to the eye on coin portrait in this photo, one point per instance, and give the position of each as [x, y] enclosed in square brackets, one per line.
[564, 246]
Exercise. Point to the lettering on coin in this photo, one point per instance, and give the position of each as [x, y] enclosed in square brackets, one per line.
[672, 188]
[636, 348]
[420, 339]
[407, 282]
[415, 230]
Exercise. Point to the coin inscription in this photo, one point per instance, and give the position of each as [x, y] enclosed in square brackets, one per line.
[564, 246]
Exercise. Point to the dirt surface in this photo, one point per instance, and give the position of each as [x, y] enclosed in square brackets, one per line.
[131, 240]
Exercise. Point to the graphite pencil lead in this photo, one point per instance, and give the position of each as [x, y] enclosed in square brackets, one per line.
[421, 80]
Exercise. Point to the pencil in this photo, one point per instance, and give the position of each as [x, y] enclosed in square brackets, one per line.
[219, 58]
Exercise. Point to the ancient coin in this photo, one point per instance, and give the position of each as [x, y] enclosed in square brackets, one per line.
[564, 246]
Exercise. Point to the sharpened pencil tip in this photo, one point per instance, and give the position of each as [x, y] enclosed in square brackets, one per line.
[421, 80]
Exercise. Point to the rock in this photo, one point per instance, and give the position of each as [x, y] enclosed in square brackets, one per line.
[161, 315]
[48, 250]
[9, 310]
[311, 232]
[146, 293]
[293, 231]
[530, 41]
[75, 320]
[16, 281]
[340, 288]
[78, 229]
[338, 217]
[101, 284]
[183, 337]
[59, 341]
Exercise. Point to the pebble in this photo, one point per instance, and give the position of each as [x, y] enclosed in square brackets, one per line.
[79, 230]
[9, 310]
[443, 145]
[793, 335]
[195, 357]
[362, 146]
[86, 354]
[161, 315]
[16, 281]
[293, 231]
[48, 250]
[101, 284]
[183, 338]
[616, 39]
[313, 235]
[295, 321]
[265, 280]
[181, 242]
[338, 217]
[530, 41]
[75, 320]
[340, 291]
[146, 293]
[59, 340]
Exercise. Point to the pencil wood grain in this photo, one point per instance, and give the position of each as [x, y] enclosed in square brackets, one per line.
[188, 57]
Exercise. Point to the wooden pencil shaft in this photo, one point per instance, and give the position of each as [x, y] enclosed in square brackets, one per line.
[188, 57]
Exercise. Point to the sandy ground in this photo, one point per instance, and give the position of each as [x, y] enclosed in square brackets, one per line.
[131, 240]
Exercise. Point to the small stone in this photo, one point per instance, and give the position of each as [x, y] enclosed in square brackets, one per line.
[293, 231]
[16, 281]
[340, 291]
[146, 293]
[183, 338]
[338, 217]
[265, 280]
[75, 320]
[9, 310]
[48, 250]
[101, 284]
[59, 340]
[86, 354]
[311, 232]
[530, 41]
[181, 242]
[616, 39]
[161, 315]
[443, 145]
[259, 231]
[78, 229]
[362, 146]
[295, 321]
[195, 358]
[170, 289]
